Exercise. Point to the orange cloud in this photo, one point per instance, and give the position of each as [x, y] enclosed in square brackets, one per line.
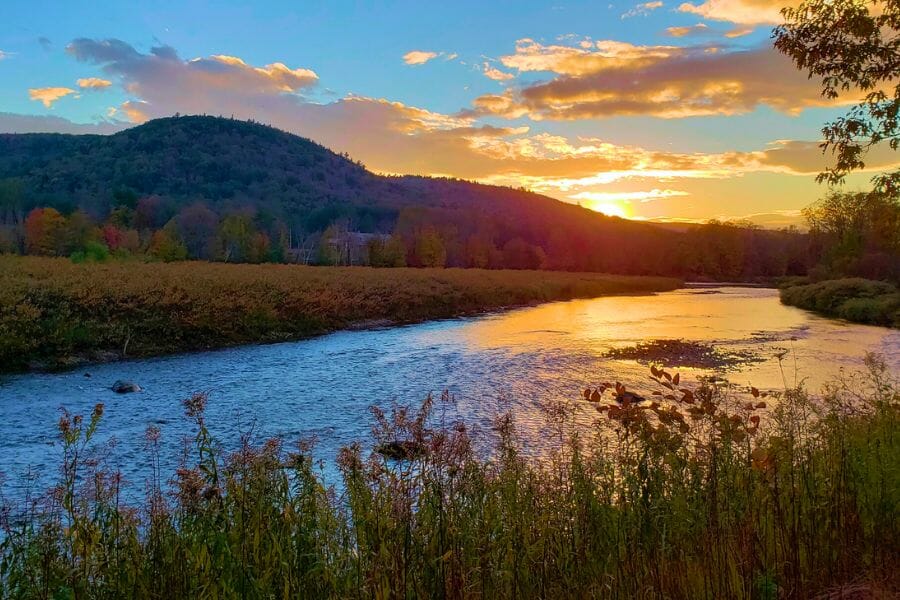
[93, 83]
[588, 57]
[614, 78]
[699, 28]
[496, 74]
[744, 12]
[418, 57]
[642, 196]
[740, 31]
[134, 111]
[278, 74]
[48, 95]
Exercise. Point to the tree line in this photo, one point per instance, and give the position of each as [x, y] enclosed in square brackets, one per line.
[155, 228]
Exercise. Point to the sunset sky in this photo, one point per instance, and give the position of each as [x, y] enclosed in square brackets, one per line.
[656, 110]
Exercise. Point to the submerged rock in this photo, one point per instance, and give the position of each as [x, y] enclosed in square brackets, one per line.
[125, 387]
[400, 450]
[629, 397]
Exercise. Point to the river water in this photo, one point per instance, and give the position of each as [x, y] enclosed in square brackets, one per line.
[516, 360]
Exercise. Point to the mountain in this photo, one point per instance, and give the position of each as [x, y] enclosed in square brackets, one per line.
[244, 167]
[227, 164]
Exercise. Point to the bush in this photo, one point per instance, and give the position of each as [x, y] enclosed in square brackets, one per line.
[859, 300]
[93, 252]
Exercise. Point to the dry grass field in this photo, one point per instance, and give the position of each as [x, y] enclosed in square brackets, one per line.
[54, 313]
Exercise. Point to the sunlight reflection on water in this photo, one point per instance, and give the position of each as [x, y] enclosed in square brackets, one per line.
[518, 359]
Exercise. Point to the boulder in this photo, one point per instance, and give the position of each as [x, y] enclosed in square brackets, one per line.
[125, 387]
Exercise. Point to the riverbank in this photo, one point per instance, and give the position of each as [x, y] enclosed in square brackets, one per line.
[56, 314]
[702, 493]
[857, 300]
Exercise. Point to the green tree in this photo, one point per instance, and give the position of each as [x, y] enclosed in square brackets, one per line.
[331, 245]
[12, 201]
[390, 252]
[79, 231]
[236, 237]
[854, 46]
[429, 249]
[858, 234]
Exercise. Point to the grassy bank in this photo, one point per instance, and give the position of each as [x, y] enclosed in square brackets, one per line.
[701, 495]
[54, 312]
[858, 300]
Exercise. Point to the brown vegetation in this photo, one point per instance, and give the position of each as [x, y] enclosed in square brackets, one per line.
[53, 311]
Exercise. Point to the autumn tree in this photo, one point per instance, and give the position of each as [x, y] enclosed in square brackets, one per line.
[197, 228]
[165, 245]
[480, 251]
[44, 231]
[150, 213]
[854, 46]
[519, 254]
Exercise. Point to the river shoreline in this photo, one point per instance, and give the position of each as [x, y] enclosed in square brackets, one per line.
[57, 315]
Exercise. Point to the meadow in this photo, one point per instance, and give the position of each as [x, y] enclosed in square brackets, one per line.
[54, 313]
[706, 492]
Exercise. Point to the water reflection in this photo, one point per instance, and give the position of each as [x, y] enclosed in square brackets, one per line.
[518, 359]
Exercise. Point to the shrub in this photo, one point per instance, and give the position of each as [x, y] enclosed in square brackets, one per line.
[860, 300]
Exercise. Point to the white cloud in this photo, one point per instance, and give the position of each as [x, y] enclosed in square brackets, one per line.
[643, 9]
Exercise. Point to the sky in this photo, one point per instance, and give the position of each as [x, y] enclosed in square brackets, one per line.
[663, 110]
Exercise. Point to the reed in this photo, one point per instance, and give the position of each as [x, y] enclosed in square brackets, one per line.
[696, 492]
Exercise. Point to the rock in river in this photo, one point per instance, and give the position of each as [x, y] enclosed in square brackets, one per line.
[125, 387]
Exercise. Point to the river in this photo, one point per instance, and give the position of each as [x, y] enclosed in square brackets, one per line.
[515, 360]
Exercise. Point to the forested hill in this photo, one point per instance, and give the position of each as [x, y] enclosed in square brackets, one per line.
[192, 167]
[226, 163]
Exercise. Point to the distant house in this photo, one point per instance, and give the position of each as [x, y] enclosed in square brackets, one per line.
[352, 247]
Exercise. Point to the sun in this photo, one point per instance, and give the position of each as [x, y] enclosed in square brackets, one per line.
[610, 209]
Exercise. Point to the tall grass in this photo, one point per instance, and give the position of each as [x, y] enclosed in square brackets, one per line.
[702, 493]
[55, 313]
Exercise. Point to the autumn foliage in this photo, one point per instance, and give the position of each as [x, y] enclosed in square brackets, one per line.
[53, 311]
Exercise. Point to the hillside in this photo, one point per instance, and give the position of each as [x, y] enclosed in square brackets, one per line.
[226, 163]
[288, 183]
